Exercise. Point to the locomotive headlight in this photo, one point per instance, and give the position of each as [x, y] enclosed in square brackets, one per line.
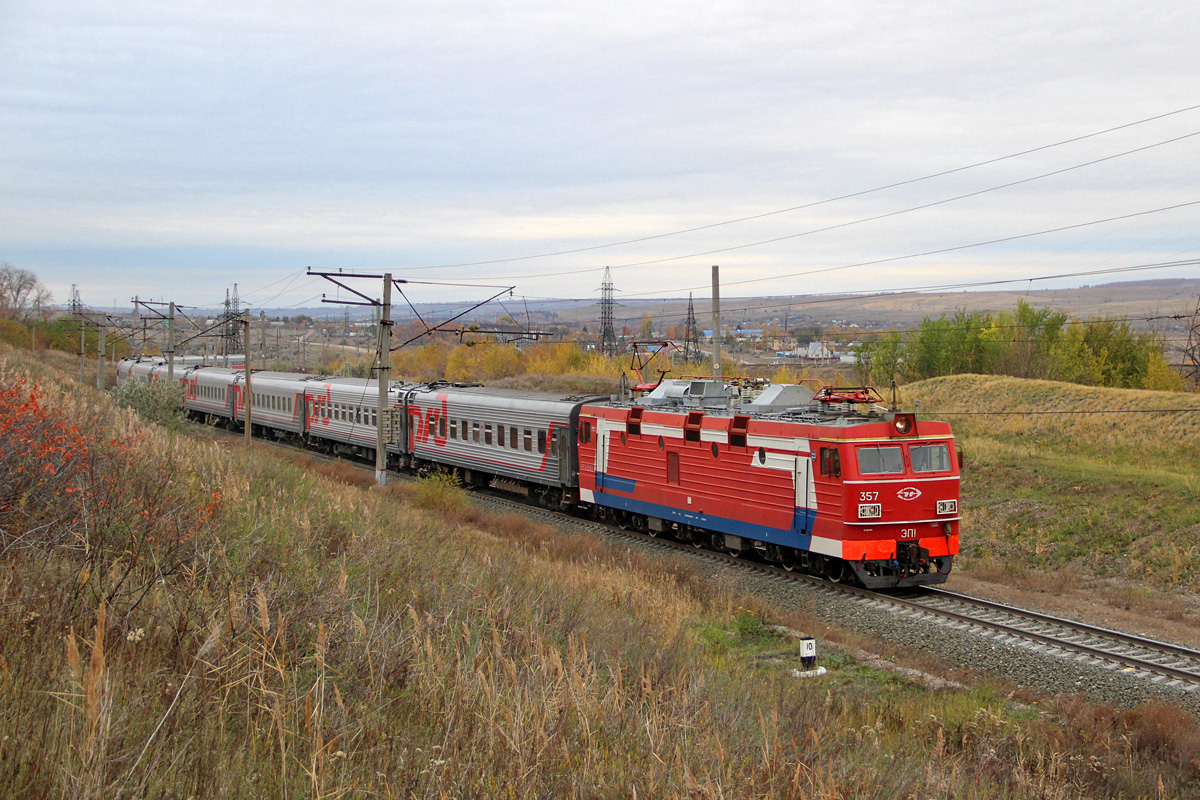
[904, 424]
[870, 511]
[947, 506]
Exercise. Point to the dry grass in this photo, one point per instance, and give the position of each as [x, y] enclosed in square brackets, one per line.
[313, 639]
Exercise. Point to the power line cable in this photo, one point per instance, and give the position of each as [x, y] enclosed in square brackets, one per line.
[853, 222]
[815, 203]
[941, 251]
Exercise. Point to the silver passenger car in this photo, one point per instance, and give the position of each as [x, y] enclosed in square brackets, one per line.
[344, 411]
[524, 436]
[211, 390]
[277, 400]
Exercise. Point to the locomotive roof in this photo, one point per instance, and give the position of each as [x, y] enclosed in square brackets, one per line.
[828, 407]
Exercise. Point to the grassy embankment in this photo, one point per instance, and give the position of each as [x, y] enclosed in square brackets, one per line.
[1060, 498]
[186, 618]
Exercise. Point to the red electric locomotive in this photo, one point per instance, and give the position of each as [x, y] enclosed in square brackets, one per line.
[829, 481]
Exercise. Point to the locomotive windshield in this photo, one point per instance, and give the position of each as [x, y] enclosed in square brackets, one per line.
[929, 457]
[880, 460]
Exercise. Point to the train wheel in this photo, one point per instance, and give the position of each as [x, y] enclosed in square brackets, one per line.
[699, 538]
[623, 520]
[833, 569]
[787, 559]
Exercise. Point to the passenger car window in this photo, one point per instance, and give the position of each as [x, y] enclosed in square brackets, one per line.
[929, 457]
[880, 460]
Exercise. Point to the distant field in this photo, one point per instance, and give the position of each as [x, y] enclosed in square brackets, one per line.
[1132, 299]
[1073, 494]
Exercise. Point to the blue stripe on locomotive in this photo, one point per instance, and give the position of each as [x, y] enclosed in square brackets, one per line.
[798, 536]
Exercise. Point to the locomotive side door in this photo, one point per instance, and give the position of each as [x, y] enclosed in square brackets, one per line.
[804, 494]
[601, 452]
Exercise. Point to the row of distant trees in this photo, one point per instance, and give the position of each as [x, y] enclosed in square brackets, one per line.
[1024, 343]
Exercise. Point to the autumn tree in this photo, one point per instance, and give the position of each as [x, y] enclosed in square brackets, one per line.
[22, 295]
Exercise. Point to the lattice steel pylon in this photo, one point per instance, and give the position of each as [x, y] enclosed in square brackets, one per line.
[232, 332]
[608, 335]
[76, 306]
[1191, 353]
[691, 341]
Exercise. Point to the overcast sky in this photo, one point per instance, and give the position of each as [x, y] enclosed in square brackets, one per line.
[172, 149]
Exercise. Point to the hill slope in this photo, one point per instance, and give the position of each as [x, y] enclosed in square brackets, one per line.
[1081, 480]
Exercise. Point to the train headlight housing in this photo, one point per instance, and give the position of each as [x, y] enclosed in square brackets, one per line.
[904, 425]
[947, 506]
[870, 511]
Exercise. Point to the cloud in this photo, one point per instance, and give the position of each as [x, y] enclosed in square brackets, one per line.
[222, 141]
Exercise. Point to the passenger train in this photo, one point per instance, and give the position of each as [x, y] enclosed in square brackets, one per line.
[813, 478]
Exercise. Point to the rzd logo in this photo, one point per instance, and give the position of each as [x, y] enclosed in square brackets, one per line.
[908, 493]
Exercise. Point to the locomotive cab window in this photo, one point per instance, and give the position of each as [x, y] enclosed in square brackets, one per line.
[880, 460]
[929, 457]
[585, 431]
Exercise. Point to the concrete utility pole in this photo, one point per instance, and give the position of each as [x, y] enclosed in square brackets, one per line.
[82, 351]
[171, 342]
[100, 357]
[249, 389]
[716, 321]
[385, 362]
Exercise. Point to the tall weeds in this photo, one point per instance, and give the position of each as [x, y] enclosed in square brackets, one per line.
[265, 631]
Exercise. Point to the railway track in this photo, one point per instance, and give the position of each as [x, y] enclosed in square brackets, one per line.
[1158, 662]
